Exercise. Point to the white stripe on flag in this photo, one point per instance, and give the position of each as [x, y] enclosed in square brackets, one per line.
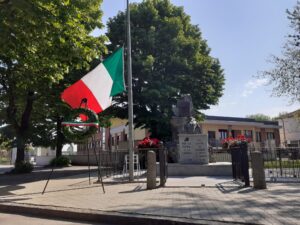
[100, 83]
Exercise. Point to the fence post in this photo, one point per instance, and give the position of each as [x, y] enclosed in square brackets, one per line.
[259, 180]
[234, 163]
[280, 161]
[151, 170]
[162, 166]
[245, 164]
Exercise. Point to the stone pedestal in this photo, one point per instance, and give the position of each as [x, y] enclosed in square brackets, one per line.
[151, 170]
[258, 172]
[193, 149]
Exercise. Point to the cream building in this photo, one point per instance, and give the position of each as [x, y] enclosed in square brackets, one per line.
[113, 138]
[119, 133]
[290, 129]
[262, 133]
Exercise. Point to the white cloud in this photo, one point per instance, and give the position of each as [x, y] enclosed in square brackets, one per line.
[251, 85]
[274, 111]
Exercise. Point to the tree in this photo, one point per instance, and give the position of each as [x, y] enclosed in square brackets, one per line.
[259, 117]
[41, 41]
[169, 59]
[285, 75]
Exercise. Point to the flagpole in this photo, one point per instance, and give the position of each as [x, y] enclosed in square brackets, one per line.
[130, 98]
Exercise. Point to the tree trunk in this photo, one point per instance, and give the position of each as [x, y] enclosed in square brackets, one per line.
[59, 137]
[20, 148]
[22, 131]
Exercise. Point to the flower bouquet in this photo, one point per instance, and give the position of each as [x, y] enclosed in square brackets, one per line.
[149, 143]
[233, 142]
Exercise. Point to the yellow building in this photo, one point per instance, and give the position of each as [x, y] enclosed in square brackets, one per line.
[119, 132]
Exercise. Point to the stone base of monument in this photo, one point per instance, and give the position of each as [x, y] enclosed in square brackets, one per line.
[211, 169]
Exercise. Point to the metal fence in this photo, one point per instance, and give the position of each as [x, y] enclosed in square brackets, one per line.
[219, 155]
[113, 162]
[281, 164]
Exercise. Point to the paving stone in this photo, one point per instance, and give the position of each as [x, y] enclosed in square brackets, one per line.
[222, 199]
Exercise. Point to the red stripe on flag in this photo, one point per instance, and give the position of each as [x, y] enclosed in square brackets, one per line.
[78, 91]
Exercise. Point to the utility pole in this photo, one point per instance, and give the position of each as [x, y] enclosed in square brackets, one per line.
[130, 98]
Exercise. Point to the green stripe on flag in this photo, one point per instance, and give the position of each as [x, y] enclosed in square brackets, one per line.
[114, 66]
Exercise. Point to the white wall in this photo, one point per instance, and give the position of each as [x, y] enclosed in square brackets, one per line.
[290, 129]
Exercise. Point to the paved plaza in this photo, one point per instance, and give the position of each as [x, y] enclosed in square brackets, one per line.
[195, 199]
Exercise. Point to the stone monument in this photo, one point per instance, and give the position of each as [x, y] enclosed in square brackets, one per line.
[193, 149]
[189, 147]
[192, 146]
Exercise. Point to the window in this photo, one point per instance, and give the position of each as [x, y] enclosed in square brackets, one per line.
[211, 135]
[258, 136]
[248, 134]
[235, 133]
[125, 137]
[223, 134]
[118, 139]
[270, 136]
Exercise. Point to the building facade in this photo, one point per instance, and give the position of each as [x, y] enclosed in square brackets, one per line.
[290, 129]
[261, 133]
[112, 138]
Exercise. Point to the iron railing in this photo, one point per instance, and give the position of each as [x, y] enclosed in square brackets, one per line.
[281, 164]
[112, 162]
[219, 155]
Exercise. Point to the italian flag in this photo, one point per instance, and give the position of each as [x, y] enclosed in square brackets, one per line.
[99, 85]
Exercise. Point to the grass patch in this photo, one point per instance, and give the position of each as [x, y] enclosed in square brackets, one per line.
[284, 164]
[4, 161]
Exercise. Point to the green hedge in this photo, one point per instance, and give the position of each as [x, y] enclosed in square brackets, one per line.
[23, 167]
[61, 161]
[284, 164]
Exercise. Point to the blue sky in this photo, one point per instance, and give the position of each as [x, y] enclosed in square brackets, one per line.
[242, 35]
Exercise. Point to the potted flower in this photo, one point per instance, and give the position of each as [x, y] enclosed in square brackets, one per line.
[230, 142]
[148, 142]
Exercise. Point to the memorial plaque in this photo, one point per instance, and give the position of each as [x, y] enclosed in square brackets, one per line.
[193, 148]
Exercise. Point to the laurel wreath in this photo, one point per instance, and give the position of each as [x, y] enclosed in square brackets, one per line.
[77, 131]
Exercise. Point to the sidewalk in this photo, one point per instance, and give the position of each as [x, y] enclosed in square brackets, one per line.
[5, 168]
[196, 199]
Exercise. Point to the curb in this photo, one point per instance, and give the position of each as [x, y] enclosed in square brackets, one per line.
[89, 215]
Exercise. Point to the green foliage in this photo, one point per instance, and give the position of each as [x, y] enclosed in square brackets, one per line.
[295, 114]
[22, 167]
[169, 59]
[5, 143]
[104, 121]
[285, 75]
[284, 164]
[260, 117]
[42, 44]
[60, 161]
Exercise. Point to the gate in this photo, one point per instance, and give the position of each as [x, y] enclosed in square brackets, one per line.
[240, 163]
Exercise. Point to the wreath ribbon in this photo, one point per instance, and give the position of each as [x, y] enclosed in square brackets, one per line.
[76, 135]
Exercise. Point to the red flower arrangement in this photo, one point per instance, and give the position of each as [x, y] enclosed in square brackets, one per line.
[239, 140]
[149, 143]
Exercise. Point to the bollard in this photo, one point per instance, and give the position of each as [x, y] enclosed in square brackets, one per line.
[151, 170]
[257, 162]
